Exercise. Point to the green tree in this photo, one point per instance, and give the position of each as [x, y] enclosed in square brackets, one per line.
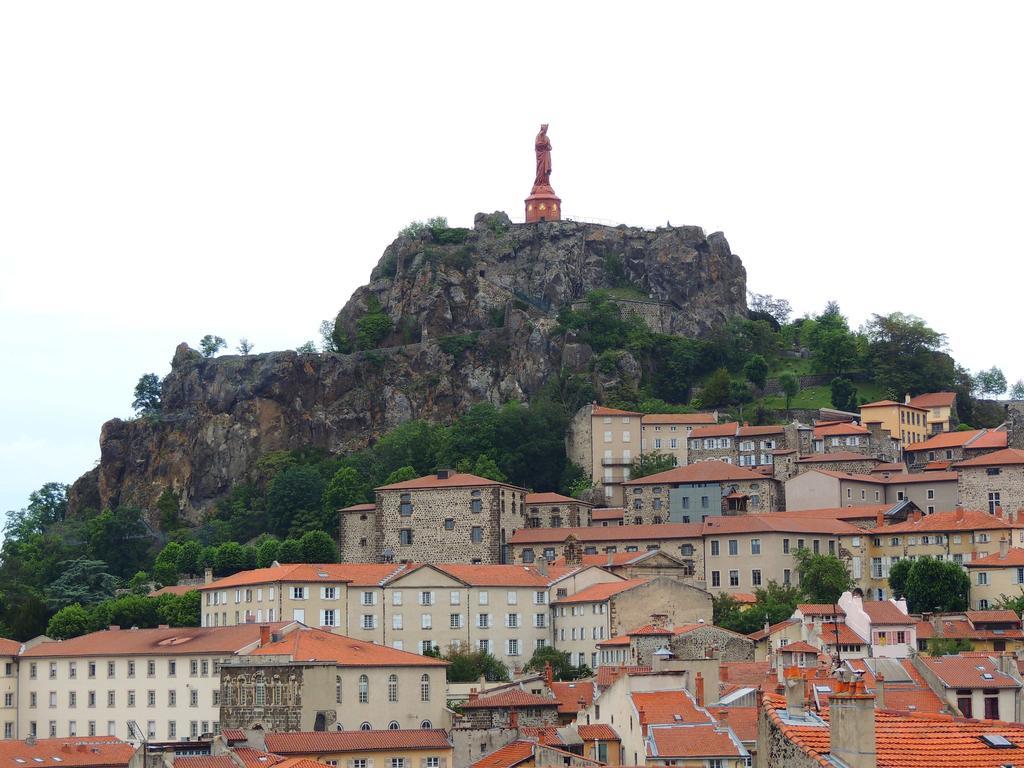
[318, 547]
[306, 348]
[120, 538]
[373, 327]
[765, 304]
[936, 585]
[296, 488]
[906, 355]
[81, 581]
[290, 551]
[756, 371]
[165, 567]
[466, 665]
[991, 382]
[898, 574]
[401, 475]
[179, 610]
[647, 464]
[485, 466]
[345, 488]
[210, 345]
[948, 646]
[823, 578]
[170, 513]
[790, 384]
[267, 551]
[716, 389]
[147, 395]
[1017, 390]
[125, 611]
[1015, 603]
[562, 667]
[230, 558]
[244, 346]
[70, 621]
[189, 562]
[844, 395]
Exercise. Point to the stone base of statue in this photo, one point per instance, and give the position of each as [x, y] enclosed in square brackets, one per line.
[543, 205]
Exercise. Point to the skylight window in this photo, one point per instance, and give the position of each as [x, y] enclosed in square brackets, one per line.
[987, 676]
[997, 741]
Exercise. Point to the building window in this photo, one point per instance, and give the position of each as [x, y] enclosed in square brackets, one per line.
[734, 547]
[405, 537]
[449, 523]
[405, 505]
[476, 534]
[425, 687]
[392, 688]
[755, 546]
[993, 501]
[714, 548]
[734, 578]
[364, 689]
[716, 579]
[513, 647]
[755, 578]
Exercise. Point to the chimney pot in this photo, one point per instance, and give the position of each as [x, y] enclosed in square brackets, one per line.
[699, 689]
[917, 515]
[999, 511]
[207, 576]
[1004, 548]
[959, 514]
[879, 519]
[264, 634]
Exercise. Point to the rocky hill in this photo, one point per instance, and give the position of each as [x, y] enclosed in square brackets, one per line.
[471, 316]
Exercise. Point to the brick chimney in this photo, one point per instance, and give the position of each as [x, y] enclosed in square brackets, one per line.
[1004, 548]
[998, 511]
[264, 635]
[699, 689]
[794, 684]
[549, 674]
[959, 517]
[513, 719]
[723, 673]
[917, 515]
[879, 519]
[852, 727]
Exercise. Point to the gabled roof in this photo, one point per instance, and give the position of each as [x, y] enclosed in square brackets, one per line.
[608, 674]
[883, 612]
[934, 400]
[1014, 559]
[798, 647]
[673, 706]
[777, 523]
[678, 418]
[606, 559]
[1005, 457]
[510, 755]
[553, 498]
[502, 575]
[152, 642]
[360, 508]
[844, 456]
[326, 742]
[968, 672]
[693, 741]
[9, 647]
[607, 513]
[962, 628]
[955, 520]
[819, 609]
[769, 429]
[306, 644]
[74, 752]
[859, 512]
[761, 634]
[993, 616]
[173, 589]
[727, 429]
[701, 472]
[649, 532]
[956, 439]
[256, 758]
[836, 429]
[454, 480]
[846, 635]
[597, 732]
[600, 592]
[510, 698]
[204, 761]
[569, 693]
[600, 410]
[357, 574]
[889, 403]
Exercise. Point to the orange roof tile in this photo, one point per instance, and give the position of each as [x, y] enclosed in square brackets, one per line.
[968, 672]
[992, 616]
[174, 589]
[886, 466]
[745, 673]
[889, 403]
[1005, 457]
[299, 762]
[655, 707]
[821, 458]
[761, 634]
[819, 609]
[948, 440]
[961, 628]
[683, 741]
[745, 598]
[553, 498]
[569, 694]
[597, 732]
[544, 734]
[921, 477]
[841, 428]
[357, 574]
[742, 720]
[612, 642]
[498, 575]
[153, 642]
[883, 612]
[728, 429]
[360, 508]
[993, 438]
[308, 644]
[256, 758]
[678, 418]
[846, 635]
[326, 742]
[617, 558]
[511, 754]
[798, 647]
[601, 410]
[861, 511]
[204, 761]
[780, 523]
[701, 472]
[607, 513]
[606, 674]
[454, 480]
[934, 400]
[599, 592]
[510, 698]
[770, 429]
[650, 630]
[650, 532]
[9, 647]
[74, 751]
[1014, 559]
[972, 520]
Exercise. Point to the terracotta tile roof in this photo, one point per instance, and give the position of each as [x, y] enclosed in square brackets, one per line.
[614, 642]
[908, 696]
[91, 751]
[821, 458]
[889, 467]
[650, 630]
[798, 647]
[948, 440]
[1005, 457]
[360, 508]
[948, 521]
[511, 754]
[961, 628]
[299, 762]
[922, 477]
[308, 644]
[356, 574]
[771, 429]
[174, 589]
[546, 735]
[968, 672]
[994, 615]
[682, 741]
[745, 673]
[606, 675]
[552, 498]
[325, 742]
[231, 735]
[509, 698]
[773, 522]
[597, 732]
[744, 598]
[937, 466]
[650, 532]
[717, 430]
[992, 438]
[861, 511]
[619, 558]
[204, 761]
[842, 428]
[153, 642]
[860, 478]
[1014, 559]
[9, 647]
[678, 418]
[820, 609]
[570, 693]
[846, 635]
[761, 634]
[701, 472]
[925, 630]
[934, 400]
[742, 720]
[453, 480]
[607, 513]
[600, 592]
[884, 612]
[255, 758]
[600, 410]
[889, 403]
[655, 707]
[499, 575]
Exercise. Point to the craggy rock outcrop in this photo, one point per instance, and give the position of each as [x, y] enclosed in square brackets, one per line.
[497, 287]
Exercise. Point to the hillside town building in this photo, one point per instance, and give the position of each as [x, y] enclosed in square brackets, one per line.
[698, 491]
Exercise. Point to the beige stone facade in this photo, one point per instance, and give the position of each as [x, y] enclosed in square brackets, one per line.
[616, 437]
[930, 491]
[739, 445]
[669, 433]
[993, 480]
[9, 650]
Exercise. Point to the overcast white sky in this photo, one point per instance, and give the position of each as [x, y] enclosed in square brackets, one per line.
[174, 169]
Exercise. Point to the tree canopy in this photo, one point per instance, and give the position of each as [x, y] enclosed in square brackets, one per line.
[823, 578]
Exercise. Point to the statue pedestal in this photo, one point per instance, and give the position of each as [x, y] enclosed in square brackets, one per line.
[543, 205]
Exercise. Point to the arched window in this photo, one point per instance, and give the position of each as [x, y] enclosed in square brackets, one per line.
[425, 688]
[261, 691]
[393, 725]
[337, 689]
[426, 724]
[365, 727]
[392, 687]
[364, 690]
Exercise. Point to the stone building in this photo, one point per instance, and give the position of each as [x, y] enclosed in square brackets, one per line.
[740, 445]
[553, 510]
[510, 707]
[948, 447]
[694, 640]
[669, 433]
[9, 650]
[302, 679]
[929, 491]
[448, 516]
[789, 463]
[994, 480]
[697, 491]
[409, 748]
[841, 436]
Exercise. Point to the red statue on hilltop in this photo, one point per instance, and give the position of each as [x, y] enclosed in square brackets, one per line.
[543, 204]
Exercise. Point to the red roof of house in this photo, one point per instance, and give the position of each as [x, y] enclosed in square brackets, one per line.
[360, 508]
[678, 418]
[819, 609]
[502, 575]
[356, 574]
[968, 672]
[256, 758]
[885, 613]
[600, 410]
[745, 598]
[761, 634]
[880, 403]
[993, 438]
[454, 480]
[606, 675]
[510, 698]
[9, 647]
[846, 635]
[770, 429]
[684, 741]
[75, 751]
[887, 466]
[649, 532]
[717, 430]
[607, 513]
[597, 593]
[510, 755]
[859, 512]
[798, 647]
[308, 644]
[204, 761]
[744, 673]
[912, 695]
[835, 429]
[934, 400]
[955, 520]
[655, 707]
[950, 440]
[174, 589]
[617, 558]
[1005, 457]
[326, 742]
[569, 694]
[962, 628]
[1014, 559]
[155, 642]
[773, 522]
[552, 498]
[822, 458]
[613, 642]
[994, 615]
[597, 732]
[701, 472]
[742, 720]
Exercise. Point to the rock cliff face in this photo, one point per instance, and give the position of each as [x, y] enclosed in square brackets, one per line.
[497, 287]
